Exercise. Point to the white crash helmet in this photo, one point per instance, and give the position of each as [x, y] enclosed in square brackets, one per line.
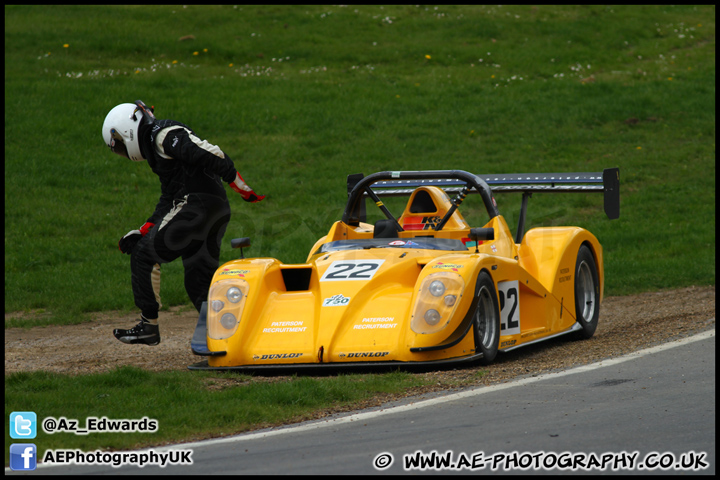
[121, 129]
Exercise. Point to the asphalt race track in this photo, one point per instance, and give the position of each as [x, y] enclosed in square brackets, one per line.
[655, 407]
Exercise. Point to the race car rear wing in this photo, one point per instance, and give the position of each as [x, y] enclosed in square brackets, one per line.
[404, 183]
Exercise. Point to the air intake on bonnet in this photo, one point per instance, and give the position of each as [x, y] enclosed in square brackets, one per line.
[296, 279]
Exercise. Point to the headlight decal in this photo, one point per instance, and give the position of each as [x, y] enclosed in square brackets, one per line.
[436, 302]
[227, 301]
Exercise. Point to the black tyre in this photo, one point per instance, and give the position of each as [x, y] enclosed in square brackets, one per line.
[587, 292]
[486, 320]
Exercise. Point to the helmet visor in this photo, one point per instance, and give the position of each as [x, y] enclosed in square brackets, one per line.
[117, 145]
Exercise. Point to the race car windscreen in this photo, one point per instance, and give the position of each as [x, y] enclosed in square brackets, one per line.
[427, 243]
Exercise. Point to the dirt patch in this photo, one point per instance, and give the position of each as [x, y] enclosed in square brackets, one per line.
[626, 324]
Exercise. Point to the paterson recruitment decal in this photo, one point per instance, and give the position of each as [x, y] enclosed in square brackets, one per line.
[374, 323]
[284, 327]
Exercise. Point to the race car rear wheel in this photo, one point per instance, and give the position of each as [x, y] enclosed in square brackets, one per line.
[486, 319]
[587, 292]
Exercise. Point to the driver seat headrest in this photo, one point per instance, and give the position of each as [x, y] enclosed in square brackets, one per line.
[385, 228]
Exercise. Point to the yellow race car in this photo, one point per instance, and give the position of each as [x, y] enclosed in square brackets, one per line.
[421, 288]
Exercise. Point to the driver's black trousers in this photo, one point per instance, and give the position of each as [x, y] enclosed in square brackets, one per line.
[191, 230]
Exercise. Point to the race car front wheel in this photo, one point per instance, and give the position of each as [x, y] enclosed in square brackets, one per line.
[587, 292]
[486, 319]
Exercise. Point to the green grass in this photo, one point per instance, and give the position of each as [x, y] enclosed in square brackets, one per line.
[302, 96]
[355, 92]
[192, 406]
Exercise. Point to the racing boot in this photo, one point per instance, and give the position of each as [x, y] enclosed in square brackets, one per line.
[144, 332]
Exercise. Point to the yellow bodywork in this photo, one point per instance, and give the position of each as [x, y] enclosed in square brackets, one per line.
[367, 305]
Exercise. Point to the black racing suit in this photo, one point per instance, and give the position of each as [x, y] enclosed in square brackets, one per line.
[191, 216]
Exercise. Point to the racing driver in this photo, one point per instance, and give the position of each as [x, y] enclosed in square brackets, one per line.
[190, 218]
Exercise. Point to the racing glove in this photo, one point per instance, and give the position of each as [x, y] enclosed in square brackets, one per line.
[128, 242]
[245, 192]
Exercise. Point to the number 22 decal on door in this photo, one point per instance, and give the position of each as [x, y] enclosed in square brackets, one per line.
[509, 307]
[344, 270]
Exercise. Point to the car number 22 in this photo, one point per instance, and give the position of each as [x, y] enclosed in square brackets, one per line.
[509, 307]
[344, 270]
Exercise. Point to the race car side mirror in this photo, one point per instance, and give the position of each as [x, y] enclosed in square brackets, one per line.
[478, 234]
[482, 234]
[240, 243]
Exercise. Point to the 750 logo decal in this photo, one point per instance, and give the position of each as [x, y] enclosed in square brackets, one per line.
[336, 301]
[344, 270]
